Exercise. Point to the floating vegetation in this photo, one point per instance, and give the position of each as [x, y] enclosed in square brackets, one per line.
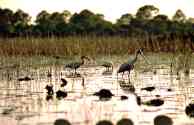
[149, 89]
[61, 94]
[104, 94]
[189, 110]
[123, 97]
[154, 102]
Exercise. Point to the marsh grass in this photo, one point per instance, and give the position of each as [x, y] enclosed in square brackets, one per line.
[57, 51]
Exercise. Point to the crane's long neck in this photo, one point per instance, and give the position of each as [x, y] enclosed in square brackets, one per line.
[82, 61]
[134, 60]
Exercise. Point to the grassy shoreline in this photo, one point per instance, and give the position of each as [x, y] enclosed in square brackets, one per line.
[92, 46]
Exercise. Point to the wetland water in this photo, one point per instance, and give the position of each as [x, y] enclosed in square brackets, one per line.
[26, 103]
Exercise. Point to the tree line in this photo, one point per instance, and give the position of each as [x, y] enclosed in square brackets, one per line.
[146, 22]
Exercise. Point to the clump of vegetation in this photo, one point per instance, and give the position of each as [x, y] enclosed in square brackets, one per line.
[154, 102]
[189, 110]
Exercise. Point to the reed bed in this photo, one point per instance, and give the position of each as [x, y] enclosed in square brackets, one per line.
[90, 45]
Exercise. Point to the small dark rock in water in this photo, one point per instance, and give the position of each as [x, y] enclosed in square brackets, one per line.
[187, 72]
[25, 79]
[64, 82]
[49, 97]
[49, 74]
[154, 102]
[162, 120]
[104, 94]
[104, 122]
[125, 121]
[62, 122]
[157, 95]
[61, 94]
[169, 90]
[151, 88]
[49, 89]
[124, 97]
[154, 72]
[189, 110]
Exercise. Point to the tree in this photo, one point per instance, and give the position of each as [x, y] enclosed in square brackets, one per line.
[161, 17]
[6, 21]
[88, 22]
[146, 12]
[42, 23]
[21, 21]
[179, 16]
[125, 19]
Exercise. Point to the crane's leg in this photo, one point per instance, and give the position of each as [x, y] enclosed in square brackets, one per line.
[75, 73]
[128, 75]
[122, 75]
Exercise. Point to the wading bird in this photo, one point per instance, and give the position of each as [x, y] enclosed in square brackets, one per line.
[76, 65]
[128, 66]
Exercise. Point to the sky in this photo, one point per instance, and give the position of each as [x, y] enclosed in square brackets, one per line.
[112, 9]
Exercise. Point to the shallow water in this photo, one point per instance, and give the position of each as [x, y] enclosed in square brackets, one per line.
[28, 106]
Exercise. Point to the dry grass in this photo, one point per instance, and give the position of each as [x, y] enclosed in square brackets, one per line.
[93, 46]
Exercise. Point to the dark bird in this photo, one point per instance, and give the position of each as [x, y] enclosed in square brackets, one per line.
[64, 82]
[61, 94]
[149, 89]
[26, 78]
[154, 102]
[107, 65]
[128, 66]
[76, 65]
[189, 110]
[104, 94]
[49, 89]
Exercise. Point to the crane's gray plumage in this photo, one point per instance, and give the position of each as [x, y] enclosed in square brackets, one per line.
[128, 66]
